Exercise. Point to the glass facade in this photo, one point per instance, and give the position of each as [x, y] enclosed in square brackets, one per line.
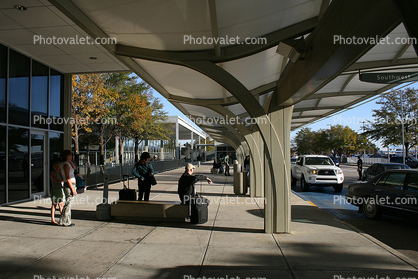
[3, 76]
[19, 72]
[39, 95]
[31, 94]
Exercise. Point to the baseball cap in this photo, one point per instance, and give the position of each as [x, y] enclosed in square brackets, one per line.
[189, 167]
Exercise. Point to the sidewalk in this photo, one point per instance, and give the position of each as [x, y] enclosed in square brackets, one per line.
[231, 244]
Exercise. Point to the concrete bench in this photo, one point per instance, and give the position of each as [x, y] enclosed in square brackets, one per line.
[165, 211]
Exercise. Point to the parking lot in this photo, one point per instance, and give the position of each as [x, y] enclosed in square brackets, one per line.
[397, 233]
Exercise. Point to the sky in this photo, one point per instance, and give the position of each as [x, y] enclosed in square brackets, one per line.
[352, 118]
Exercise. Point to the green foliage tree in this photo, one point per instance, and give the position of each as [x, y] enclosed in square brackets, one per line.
[337, 139]
[88, 93]
[387, 124]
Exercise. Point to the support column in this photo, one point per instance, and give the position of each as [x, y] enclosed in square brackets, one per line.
[191, 147]
[277, 181]
[161, 157]
[177, 147]
[67, 111]
[146, 142]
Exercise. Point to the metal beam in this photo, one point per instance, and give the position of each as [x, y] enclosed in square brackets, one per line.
[409, 10]
[227, 53]
[325, 60]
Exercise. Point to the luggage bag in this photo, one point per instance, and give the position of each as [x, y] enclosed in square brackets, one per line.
[127, 194]
[199, 210]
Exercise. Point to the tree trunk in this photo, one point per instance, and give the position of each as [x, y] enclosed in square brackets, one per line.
[88, 154]
[101, 144]
[76, 146]
[120, 147]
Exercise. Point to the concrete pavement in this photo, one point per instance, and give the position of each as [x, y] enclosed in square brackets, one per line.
[230, 245]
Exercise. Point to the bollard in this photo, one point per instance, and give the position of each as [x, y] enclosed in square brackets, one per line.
[103, 209]
[238, 183]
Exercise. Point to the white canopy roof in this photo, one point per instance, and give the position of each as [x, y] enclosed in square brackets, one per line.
[151, 41]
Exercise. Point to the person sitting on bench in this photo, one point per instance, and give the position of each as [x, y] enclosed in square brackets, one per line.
[186, 185]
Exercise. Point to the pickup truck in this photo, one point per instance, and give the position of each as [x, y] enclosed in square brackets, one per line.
[318, 170]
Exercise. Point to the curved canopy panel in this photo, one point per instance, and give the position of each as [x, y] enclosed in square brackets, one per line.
[175, 46]
[176, 80]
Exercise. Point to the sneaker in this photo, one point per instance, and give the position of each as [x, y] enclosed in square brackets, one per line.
[70, 225]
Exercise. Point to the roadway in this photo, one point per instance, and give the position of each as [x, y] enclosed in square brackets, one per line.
[400, 234]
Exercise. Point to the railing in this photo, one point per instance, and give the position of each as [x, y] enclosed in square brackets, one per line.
[368, 160]
[94, 175]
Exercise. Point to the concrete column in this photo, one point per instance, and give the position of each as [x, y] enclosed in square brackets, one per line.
[191, 147]
[67, 111]
[178, 154]
[161, 156]
[257, 181]
[205, 149]
[277, 172]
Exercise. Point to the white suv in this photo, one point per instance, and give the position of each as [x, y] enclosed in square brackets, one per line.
[318, 170]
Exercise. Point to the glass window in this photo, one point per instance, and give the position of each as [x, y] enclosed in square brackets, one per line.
[413, 182]
[39, 95]
[393, 180]
[18, 164]
[380, 169]
[2, 164]
[3, 75]
[318, 161]
[56, 146]
[56, 109]
[19, 70]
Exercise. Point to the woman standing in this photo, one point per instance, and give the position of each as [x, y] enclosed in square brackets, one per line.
[57, 192]
[142, 171]
[67, 172]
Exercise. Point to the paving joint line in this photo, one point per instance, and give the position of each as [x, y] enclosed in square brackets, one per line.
[49, 253]
[211, 232]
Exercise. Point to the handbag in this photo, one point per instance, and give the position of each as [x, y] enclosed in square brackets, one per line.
[151, 177]
[79, 182]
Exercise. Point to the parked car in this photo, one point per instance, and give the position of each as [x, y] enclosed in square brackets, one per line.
[393, 192]
[377, 168]
[293, 160]
[410, 161]
[318, 170]
[335, 160]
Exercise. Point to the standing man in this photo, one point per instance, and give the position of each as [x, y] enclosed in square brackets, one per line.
[186, 186]
[359, 167]
[198, 160]
[226, 160]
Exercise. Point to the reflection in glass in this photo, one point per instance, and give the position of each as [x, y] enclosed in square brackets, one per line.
[3, 75]
[56, 146]
[2, 164]
[18, 164]
[37, 163]
[19, 71]
[55, 98]
[39, 95]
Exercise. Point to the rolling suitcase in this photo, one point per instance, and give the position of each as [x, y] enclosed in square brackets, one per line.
[127, 194]
[199, 211]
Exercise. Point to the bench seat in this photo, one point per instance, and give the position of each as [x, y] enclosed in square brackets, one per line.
[166, 211]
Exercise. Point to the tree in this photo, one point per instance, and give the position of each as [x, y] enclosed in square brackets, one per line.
[337, 139]
[387, 123]
[87, 105]
[341, 139]
[302, 143]
[155, 125]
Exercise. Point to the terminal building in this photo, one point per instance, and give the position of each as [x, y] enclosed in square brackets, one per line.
[279, 66]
